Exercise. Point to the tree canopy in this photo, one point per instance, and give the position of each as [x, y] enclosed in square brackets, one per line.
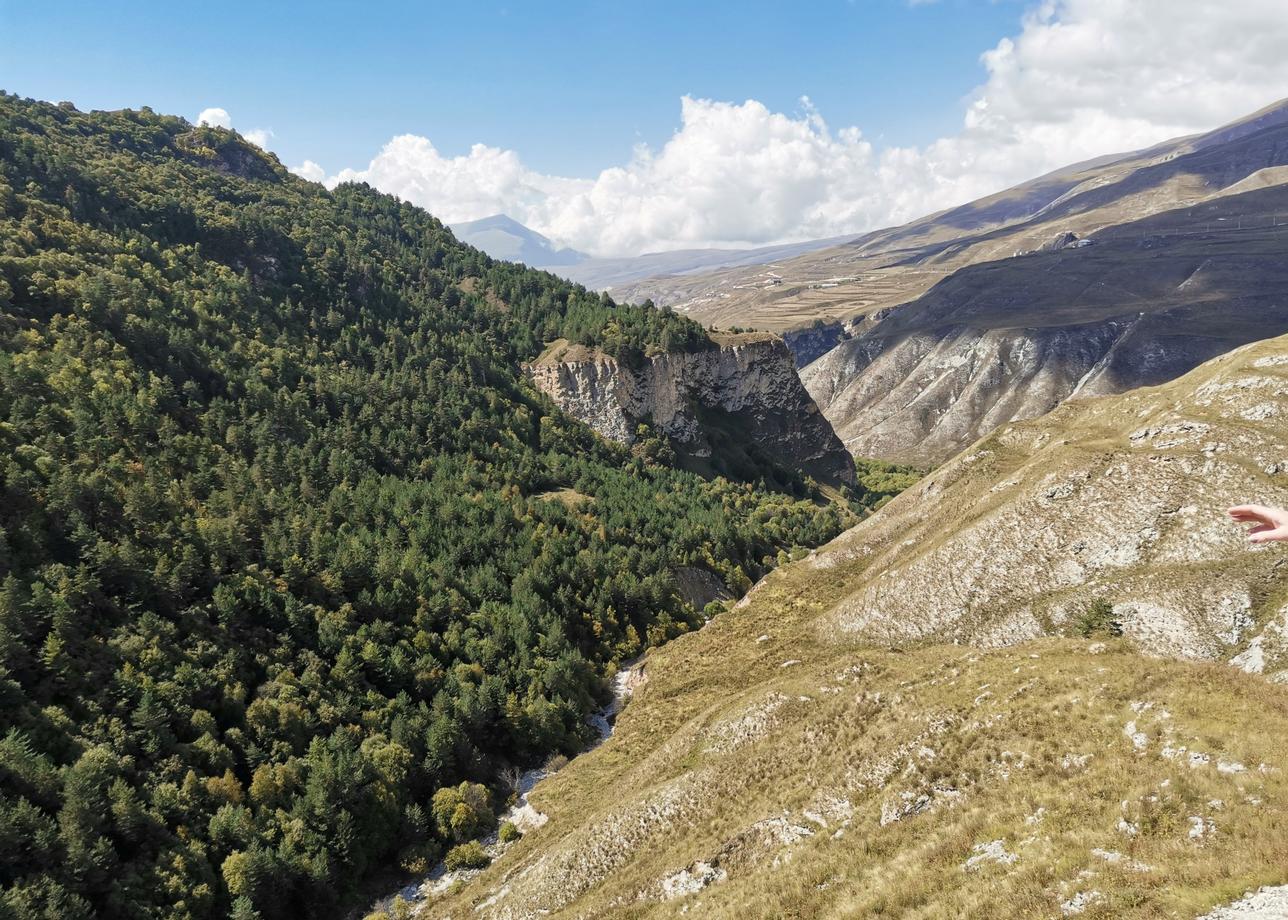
[278, 561]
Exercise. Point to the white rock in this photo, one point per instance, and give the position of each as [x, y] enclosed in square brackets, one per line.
[1269, 903]
[1080, 902]
[691, 880]
[994, 851]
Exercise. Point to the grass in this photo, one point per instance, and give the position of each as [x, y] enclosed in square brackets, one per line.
[991, 731]
[569, 498]
[1096, 776]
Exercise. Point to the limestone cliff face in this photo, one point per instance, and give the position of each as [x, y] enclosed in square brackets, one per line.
[746, 391]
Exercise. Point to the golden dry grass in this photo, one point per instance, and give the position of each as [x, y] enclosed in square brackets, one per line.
[987, 736]
[778, 763]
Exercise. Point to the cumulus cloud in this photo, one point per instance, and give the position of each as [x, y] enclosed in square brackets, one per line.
[1079, 79]
[259, 137]
[219, 118]
[215, 117]
[309, 170]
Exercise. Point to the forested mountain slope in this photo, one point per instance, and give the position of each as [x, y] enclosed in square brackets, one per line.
[975, 703]
[287, 543]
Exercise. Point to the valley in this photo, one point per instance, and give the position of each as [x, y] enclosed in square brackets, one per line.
[368, 554]
[920, 719]
[296, 564]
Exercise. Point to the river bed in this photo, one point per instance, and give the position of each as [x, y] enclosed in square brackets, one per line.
[521, 814]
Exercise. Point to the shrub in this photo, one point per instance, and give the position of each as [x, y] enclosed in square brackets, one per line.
[467, 856]
[419, 858]
[1098, 620]
[508, 832]
[464, 811]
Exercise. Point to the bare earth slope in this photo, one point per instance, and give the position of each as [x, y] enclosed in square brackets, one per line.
[1012, 339]
[819, 751]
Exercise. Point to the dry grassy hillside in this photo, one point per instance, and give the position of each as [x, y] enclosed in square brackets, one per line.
[907, 723]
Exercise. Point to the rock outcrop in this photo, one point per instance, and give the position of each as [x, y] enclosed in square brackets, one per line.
[809, 343]
[742, 395]
[1012, 339]
[911, 722]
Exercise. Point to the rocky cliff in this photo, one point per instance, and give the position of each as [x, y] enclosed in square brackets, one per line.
[910, 722]
[1012, 339]
[811, 342]
[742, 396]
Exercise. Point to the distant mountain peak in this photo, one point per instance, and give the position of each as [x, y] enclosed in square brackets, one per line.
[503, 237]
[502, 222]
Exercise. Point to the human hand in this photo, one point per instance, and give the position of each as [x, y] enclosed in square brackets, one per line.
[1269, 523]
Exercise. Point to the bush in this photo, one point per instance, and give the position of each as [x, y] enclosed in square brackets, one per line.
[463, 811]
[508, 832]
[1098, 620]
[419, 858]
[467, 856]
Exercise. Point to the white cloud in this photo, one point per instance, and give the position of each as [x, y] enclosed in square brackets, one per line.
[309, 170]
[219, 118]
[215, 117]
[1081, 78]
[259, 137]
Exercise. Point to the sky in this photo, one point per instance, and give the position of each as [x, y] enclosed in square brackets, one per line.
[625, 127]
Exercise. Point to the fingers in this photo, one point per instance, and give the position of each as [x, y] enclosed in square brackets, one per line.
[1250, 512]
[1267, 534]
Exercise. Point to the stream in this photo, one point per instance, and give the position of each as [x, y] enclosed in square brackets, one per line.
[521, 814]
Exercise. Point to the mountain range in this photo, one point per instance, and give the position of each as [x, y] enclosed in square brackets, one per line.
[339, 557]
[502, 237]
[1116, 273]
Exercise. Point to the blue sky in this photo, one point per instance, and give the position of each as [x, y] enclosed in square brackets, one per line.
[570, 85]
[625, 127]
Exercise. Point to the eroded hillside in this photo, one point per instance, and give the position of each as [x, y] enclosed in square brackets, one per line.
[1122, 272]
[909, 723]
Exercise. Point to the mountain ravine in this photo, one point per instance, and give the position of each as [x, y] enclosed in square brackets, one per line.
[922, 719]
[742, 397]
